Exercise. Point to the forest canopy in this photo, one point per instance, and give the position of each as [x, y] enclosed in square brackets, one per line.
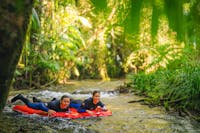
[103, 39]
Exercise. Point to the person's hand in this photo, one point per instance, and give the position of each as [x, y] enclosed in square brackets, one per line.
[89, 112]
[98, 108]
[51, 112]
[69, 111]
[104, 109]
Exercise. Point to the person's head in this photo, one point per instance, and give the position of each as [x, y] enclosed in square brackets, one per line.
[96, 97]
[64, 101]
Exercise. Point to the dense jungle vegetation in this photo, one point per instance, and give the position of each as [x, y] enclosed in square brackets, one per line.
[154, 42]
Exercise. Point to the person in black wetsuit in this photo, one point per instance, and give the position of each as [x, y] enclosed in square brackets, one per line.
[51, 107]
[92, 103]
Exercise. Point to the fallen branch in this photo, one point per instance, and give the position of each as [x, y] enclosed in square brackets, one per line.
[45, 85]
[135, 101]
[173, 101]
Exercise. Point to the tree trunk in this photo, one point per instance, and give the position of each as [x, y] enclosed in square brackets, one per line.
[14, 20]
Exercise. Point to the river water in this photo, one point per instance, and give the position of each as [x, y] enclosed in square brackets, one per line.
[126, 118]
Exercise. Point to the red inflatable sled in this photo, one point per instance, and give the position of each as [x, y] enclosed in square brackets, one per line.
[72, 115]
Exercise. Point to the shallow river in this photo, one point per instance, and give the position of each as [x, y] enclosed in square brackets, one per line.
[126, 118]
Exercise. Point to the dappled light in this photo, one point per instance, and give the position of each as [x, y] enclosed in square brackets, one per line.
[145, 27]
[152, 55]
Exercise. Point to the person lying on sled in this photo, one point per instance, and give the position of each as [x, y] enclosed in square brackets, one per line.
[51, 107]
[92, 103]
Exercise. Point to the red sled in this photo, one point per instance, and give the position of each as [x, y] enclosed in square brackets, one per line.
[73, 114]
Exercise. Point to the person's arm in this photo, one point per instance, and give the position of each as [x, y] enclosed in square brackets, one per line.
[101, 106]
[78, 106]
[84, 106]
[89, 112]
[51, 107]
[82, 109]
[46, 109]
[75, 105]
[51, 112]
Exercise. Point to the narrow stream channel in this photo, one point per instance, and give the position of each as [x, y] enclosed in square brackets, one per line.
[126, 118]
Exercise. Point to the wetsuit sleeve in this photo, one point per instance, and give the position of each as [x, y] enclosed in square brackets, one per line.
[75, 105]
[54, 105]
[81, 110]
[101, 104]
[84, 106]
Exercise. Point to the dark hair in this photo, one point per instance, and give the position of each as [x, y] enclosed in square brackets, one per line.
[94, 92]
[64, 96]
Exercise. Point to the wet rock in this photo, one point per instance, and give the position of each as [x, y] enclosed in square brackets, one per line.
[123, 89]
[82, 92]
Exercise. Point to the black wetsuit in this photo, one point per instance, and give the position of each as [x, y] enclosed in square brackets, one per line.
[89, 105]
[55, 105]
